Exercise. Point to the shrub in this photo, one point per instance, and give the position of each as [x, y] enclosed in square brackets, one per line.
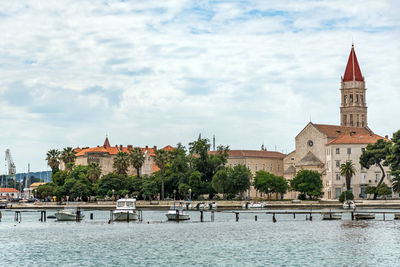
[349, 196]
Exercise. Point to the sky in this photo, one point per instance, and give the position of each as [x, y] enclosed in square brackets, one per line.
[161, 72]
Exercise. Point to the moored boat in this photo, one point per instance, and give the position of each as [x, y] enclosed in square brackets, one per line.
[125, 210]
[364, 216]
[331, 216]
[349, 204]
[177, 213]
[69, 214]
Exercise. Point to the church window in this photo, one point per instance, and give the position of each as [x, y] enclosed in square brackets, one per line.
[263, 167]
[351, 98]
[337, 151]
[337, 163]
[351, 119]
[348, 150]
[270, 168]
[345, 99]
[361, 99]
[256, 167]
[356, 98]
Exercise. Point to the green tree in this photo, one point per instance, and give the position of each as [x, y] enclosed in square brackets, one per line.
[44, 191]
[240, 178]
[269, 183]
[151, 186]
[137, 159]
[93, 172]
[394, 156]
[220, 182]
[59, 178]
[383, 190]
[195, 183]
[68, 157]
[347, 169]
[161, 159]
[370, 190]
[376, 154]
[53, 159]
[348, 195]
[80, 190]
[120, 183]
[184, 190]
[121, 163]
[308, 182]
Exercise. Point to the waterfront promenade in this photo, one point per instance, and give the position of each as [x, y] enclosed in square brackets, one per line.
[222, 205]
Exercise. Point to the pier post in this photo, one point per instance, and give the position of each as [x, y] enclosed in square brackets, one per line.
[294, 215]
[42, 215]
[17, 216]
[141, 216]
[127, 217]
[212, 215]
[383, 216]
[177, 216]
[201, 216]
[310, 217]
[111, 217]
[237, 216]
[255, 218]
[352, 215]
[273, 218]
[91, 216]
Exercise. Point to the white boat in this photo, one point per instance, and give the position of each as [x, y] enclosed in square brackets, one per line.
[204, 206]
[177, 211]
[349, 205]
[258, 205]
[69, 214]
[125, 210]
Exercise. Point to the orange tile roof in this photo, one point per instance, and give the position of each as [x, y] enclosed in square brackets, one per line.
[253, 153]
[357, 139]
[334, 131]
[8, 190]
[352, 72]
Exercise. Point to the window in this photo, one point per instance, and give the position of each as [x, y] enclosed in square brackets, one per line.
[376, 176]
[270, 168]
[338, 191]
[278, 167]
[337, 177]
[256, 167]
[363, 178]
[362, 149]
[351, 98]
[248, 166]
[263, 167]
[337, 151]
[337, 163]
[348, 150]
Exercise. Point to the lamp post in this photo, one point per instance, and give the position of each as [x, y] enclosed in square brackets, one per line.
[113, 195]
[269, 194]
[174, 198]
[190, 195]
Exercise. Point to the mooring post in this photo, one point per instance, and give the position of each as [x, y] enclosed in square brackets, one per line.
[237, 216]
[255, 218]
[273, 218]
[111, 217]
[141, 216]
[352, 215]
[201, 216]
[177, 216]
[383, 216]
[127, 217]
[212, 215]
[91, 216]
[294, 215]
[310, 217]
[17, 216]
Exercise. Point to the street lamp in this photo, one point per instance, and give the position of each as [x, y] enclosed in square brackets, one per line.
[113, 195]
[269, 194]
[174, 198]
[190, 194]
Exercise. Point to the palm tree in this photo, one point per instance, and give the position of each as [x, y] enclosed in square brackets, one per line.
[53, 159]
[161, 159]
[121, 163]
[94, 172]
[68, 157]
[347, 169]
[396, 184]
[137, 159]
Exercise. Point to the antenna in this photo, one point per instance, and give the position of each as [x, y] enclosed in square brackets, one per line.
[214, 142]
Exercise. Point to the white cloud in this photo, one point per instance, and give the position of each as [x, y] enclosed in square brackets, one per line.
[160, 72]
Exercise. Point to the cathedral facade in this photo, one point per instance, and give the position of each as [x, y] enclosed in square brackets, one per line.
[324, 148]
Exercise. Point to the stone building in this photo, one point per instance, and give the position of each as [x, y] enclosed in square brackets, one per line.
[104, 155]
[323, 148]
[256, 160]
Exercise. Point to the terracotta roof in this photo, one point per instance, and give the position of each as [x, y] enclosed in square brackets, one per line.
[357, 139]
[334, 131]
[8, 190]
[253, 153]
[352, 72]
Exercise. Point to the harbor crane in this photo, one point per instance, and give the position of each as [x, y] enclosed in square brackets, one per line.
[10, 165]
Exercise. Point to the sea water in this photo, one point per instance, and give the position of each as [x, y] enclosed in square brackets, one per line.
[156, 242]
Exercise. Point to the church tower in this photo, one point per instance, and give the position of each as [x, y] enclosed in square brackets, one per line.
[353, 110]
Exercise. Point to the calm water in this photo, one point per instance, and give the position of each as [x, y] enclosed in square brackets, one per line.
[289, 242]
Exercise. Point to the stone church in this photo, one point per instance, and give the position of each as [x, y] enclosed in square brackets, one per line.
[324, 148]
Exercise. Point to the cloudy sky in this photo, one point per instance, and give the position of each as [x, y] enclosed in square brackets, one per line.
[161, 72]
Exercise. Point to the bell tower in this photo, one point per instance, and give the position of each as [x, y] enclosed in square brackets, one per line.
[353, 109]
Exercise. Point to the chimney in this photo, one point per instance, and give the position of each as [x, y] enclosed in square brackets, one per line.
[120, 147]
[130, 147]
[386, 137]
[155, 147]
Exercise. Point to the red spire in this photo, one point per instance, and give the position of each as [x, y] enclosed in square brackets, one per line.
[106, 143]
[352, 72]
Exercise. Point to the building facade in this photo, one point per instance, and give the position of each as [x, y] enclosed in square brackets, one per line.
[104, 155]
[324, 148]
[257, 160]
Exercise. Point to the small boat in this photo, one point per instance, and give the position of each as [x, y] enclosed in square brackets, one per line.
[257, 205]
[204, 206]
[177, 213]
[125, 210]
[365, 216]
[69, 214]
[349, 205]
[331, 216]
